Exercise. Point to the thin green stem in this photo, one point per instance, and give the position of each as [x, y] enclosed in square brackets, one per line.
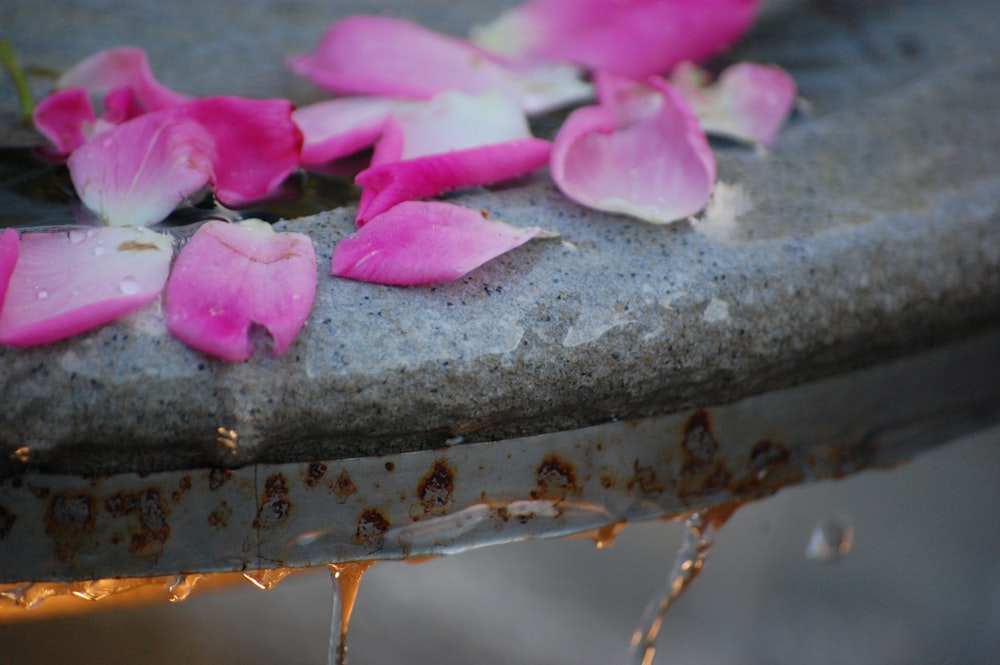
[13, 66]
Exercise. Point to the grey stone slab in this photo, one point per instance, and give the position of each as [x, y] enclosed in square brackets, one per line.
[875, 232]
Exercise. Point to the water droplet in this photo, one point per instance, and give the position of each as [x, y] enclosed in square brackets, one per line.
[42, 294]
[76, 236]
[346, 580]
[91, 233]
[99, 250]
[830, 541]
[129, 285]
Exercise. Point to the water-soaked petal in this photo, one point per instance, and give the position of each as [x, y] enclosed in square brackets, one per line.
[122, 67]
[636, 39]
[646, 157]
[66, 283]
[340, 127]
[748, 102]
[66, 118]
[136, 173]
[425, 242]
[447, 143]
[230, 276]
[256, 143]
[383, 56]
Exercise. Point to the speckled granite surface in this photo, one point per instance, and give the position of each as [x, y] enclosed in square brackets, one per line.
[875, 231]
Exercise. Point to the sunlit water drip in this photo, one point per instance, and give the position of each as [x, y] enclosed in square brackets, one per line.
[346, 580]
[699, 533]
[181, 587]
[831, 540]
[36, 190]
[268, 578]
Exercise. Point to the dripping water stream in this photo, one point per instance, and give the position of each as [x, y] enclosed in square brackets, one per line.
[346, 580]
[699, 534]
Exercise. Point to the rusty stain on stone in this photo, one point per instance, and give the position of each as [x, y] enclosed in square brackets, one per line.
[274, 506]
[555, 477]
[183, 486]
[218, 477]
[435, 489]
[344, 487]
[314, 473]
[645, 479]
[701, 472]
[69, 521]
[220, 516]
[370, 532]
[151, 529]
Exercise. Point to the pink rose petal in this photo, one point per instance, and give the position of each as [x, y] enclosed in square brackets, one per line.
[450, 142]
[635, 39]
[10, 247]
[423, 243]
[256, 143]
[645, 157]
[387, 57]
[230, 276]
[337, 128]
[66, 283]
[386, 185]
[136, 173]
[748, 102]
[66, 118]
[122, 67]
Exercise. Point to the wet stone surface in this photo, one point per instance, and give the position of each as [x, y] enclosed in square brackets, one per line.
[874, 232]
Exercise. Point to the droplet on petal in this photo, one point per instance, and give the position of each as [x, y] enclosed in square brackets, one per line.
[230, 276]
[420, 242]
[748, 102]
[58, 288]
[634, 39]
[641, 153]
[138, 172]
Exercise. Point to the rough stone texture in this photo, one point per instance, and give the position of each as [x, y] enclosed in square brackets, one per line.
[875, 232]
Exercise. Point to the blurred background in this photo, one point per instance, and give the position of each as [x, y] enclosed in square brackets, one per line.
[921, 585]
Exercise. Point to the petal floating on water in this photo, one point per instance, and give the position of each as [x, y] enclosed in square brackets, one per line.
[646, 157]
[634, 39]
[64, 283]
[230, 276]
[425, 242]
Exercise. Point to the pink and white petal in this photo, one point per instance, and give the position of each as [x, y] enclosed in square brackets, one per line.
[66, 118]
[256, 144]
[425, 242]
[388, 57]
[136, 173]
[455, 121]
[635, 39]
[658, 168]
[66, 283]
[10, 244]
[337, 128]
[386, 185]
[749, 102]
[230, 276]
[122, 67]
